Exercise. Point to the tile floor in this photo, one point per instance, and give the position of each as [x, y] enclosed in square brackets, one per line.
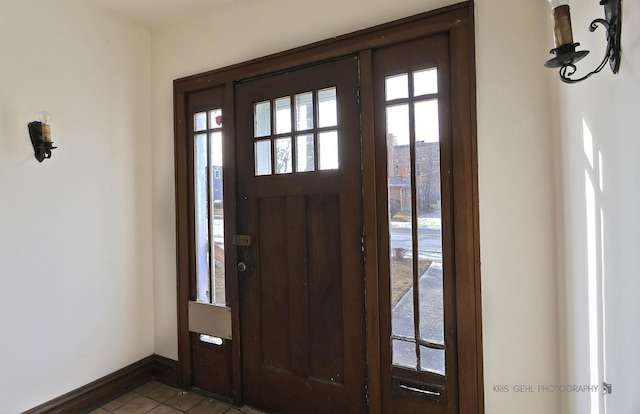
[157, 398]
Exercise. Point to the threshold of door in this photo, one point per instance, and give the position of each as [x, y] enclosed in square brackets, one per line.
[252, 410]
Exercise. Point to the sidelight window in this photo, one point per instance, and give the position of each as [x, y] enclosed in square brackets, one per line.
[414, 197]
[209, 212]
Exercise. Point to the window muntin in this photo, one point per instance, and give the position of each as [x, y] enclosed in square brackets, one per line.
[414, 194]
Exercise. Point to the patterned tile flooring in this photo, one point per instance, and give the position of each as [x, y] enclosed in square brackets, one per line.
[157, 398]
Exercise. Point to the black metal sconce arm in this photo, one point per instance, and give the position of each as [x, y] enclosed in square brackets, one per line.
[567, 56]
[41, 148]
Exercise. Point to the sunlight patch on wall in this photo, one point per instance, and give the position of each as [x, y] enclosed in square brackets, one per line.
[594, 253]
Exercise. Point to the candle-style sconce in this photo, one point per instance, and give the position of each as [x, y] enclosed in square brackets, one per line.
[40, 133]
[565, 49]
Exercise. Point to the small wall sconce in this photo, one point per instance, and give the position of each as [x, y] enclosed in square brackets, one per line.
[565, 48]
[40, 133]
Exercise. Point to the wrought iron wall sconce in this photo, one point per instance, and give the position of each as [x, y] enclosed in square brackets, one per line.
[565, 49]
[40, 133]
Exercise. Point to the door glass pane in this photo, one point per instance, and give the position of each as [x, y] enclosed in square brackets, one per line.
[201, 178]
[427, 128]
[398, 128]
[402, 297]
[401, 234]
[217, 223]
[431, 299]
[404, 354]
[429, 222]
[328, 150]
[327, 109]
[215, 119]
[304, 111]
[305, 153]
[283, 115]
[432, 360]
[283, 156]
[262, 119]
[200, 121]
[397, 87]
[209, 217]
[425, 82]
[263, 157]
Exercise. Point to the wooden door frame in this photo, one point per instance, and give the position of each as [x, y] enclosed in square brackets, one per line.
[457, 22]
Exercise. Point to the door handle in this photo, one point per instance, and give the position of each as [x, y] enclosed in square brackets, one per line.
[245, 259]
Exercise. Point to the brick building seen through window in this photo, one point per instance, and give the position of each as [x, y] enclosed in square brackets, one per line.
[427, 177]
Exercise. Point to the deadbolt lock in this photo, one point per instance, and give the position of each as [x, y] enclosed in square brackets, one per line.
[242, 240]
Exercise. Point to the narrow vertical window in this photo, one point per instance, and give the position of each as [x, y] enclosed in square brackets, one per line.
[209, 207]
[202, 216]
[413, 144]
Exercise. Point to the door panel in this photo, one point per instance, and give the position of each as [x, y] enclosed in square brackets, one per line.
[302, 300]
[325, 304]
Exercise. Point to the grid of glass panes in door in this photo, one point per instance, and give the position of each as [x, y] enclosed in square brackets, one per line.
[411, 103]
[297, 133]
[209, 212]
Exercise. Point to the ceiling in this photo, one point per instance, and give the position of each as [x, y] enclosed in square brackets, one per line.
[154, 14]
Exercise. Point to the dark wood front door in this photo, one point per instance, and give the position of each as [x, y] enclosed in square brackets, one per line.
[300, 201]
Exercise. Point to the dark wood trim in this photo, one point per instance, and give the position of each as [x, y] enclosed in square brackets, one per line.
[467, 236]
[182, 237]
[370, 234]
[231, 255]
[166, 370]
[100, 390]
[104, 389]
[479, 362]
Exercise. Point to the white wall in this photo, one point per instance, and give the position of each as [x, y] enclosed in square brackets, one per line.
[516, 169]
[599, 145]
[517, 198]
[76, 298]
